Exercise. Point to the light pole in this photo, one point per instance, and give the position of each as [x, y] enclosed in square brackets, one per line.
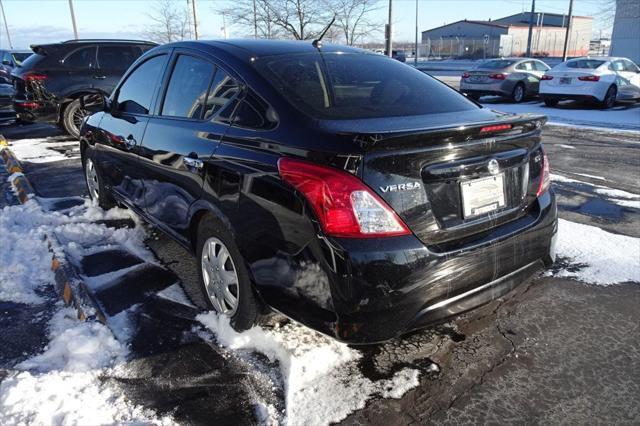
[6, 27]
[533, 12]
[566, 37]
[390, 30]
[415, 59]
[73, 20]
[195, 19]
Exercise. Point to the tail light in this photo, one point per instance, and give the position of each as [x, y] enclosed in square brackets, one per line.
[495, 128]
[33, 76]
[545, 179]
[343, 204]
[28, 105]
[498, 76]
[547, 77]
[466, 75]
[589, 78]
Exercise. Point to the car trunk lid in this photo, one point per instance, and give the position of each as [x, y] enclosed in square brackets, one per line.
[421, 171]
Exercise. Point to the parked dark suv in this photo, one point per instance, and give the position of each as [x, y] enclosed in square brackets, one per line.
[358, 196]
[54, 83]
[10, 59]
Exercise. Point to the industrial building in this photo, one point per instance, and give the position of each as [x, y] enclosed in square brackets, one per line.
[625, 40]
[508, 36]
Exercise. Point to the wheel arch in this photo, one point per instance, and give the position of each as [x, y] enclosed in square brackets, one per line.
[72, 96]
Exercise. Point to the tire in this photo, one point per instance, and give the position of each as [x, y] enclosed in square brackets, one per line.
[550, 102]
[213, 239]
[518, 94]
[94, 182]
[72, 117]
[609, 98]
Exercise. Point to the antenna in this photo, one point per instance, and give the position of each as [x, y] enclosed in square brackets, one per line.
[317, 43]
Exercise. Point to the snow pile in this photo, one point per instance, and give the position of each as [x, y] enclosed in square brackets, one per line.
[604, 258]
[25, 260]
[322, 381]
[45, 150]
[62, 385]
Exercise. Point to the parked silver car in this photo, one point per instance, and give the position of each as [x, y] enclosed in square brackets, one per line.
[514, 78]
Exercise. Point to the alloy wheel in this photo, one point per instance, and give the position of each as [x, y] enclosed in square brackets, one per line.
[77, 117]
[518, 93]
[610, 98]
[91, 176]
[220, 277]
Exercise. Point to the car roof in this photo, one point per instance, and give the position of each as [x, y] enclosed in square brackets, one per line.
[246, 49]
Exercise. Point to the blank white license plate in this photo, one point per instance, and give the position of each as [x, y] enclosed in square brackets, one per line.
[480, 196]
[565, 80]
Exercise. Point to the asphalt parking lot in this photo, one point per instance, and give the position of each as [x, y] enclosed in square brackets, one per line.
[556, 350]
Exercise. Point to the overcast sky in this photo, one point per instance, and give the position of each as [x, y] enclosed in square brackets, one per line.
[40, 21]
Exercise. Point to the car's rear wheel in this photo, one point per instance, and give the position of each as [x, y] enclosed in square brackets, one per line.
[72, 117]
[518, 93]
[224, 279]
[610, 98]
[550, 102]
[95, 185]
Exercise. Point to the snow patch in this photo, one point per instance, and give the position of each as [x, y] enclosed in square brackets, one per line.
[62, 384]
[44, 150]
[602, 257]
[322, 381]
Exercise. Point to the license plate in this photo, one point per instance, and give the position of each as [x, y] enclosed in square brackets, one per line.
[476, 79]
[480, 196]
[565, 80]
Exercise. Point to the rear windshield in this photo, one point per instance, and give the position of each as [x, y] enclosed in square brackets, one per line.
[497, 64]
[585, 64]
[19, 57]
[32, 60]
[339, 86]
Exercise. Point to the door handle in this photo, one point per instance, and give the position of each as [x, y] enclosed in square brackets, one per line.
[100, 77]
[193, 163]
[130, 142]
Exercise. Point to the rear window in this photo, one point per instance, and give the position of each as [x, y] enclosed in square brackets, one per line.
[336, 86]
[496, 64]
[32, 60]
[19, 57]
[590, 64]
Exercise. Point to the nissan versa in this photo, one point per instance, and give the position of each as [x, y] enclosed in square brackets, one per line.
[344, 189]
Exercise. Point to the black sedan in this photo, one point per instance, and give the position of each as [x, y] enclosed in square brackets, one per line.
[344, 189]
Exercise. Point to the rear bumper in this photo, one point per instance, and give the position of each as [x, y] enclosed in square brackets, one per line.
[595, 90]
[33, 111]
[490, 89]
[393, 286]
[565, 97]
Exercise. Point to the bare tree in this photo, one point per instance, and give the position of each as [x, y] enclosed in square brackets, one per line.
[353, 18]
[300, 19]
[170, 22]
[254, 18]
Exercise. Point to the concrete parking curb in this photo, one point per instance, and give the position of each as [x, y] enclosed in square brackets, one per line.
[69, 286]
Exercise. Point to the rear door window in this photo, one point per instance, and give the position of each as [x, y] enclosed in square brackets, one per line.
[539, 66]
[136, 93]
[188, 88]
[117, 57]
[224, 90]
[84, 58]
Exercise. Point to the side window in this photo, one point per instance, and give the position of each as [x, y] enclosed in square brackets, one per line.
[82, 58]
[539, 66]
[254, 113]
[223, 90]
[618, 66]
[136, 93]
[187, 88]
[6, 57]
[630, 66]
[117, 57]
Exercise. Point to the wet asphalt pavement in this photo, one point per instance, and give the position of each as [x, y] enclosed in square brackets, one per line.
[552, 351]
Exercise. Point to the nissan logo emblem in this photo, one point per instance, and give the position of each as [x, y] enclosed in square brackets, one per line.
[493, 167]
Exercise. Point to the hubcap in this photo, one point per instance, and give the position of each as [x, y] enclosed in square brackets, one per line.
[77, 116]
[92, 178]
[519, 93]
[220, 277]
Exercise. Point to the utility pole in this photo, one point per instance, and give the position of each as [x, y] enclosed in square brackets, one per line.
[566, 37]
[195, 19]
[255, 21]
[415, 59]
[73, 20]
[533, 12]
[390, 30]
[6, 27]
